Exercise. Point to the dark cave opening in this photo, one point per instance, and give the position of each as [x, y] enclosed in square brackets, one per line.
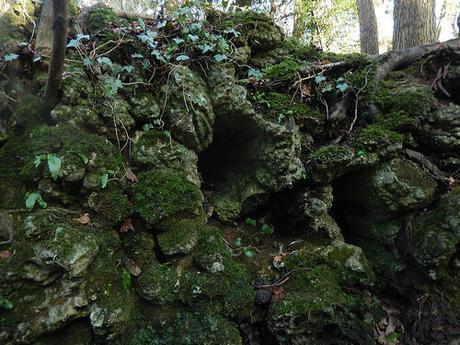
[232, 152]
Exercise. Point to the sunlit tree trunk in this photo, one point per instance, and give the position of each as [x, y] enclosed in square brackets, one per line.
[414, 23]
[53, 86]
[45, 27]
[368, 32]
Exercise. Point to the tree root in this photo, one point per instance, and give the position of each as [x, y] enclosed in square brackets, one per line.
[390, 61]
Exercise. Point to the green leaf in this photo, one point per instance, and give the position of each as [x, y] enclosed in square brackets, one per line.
[178, 40]
[5, 303]
[127, 69]
[233, 32]
[10, 57]
[319, 78]
[147, 127]
[76, 41]
[193, 38]
[141, 23]
[34, 198]
[182, 57]
[251, 221]
[248, 252]
[255, 73]
[220, 57]
[342, 86]
[113, 85]
[126, 279]
[54, 165]
[38, 160]
[205, 48]
[327, 88]
[161, 24]
[103, 60]
[238, 242]
[137, 56]
[266, 229]
[104, 180]
[87, 61]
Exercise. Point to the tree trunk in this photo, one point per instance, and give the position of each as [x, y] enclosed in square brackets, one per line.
[44, 39]
[368, 33]
[53, 86]
[414, 23]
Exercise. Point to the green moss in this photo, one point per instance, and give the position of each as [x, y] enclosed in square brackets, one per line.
[377, 138]
[159, 283]
[20, 152]
[280, 106]
[399, 121]
[111, 202]
[285, 70]
[416, 100]
[139, 247]
[180, 237]
[164, 193]
[329, 162]
[100, 18]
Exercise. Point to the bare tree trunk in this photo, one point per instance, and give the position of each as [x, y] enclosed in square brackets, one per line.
[368, 32]
[414, 23]
[53, 89]
[44, 39]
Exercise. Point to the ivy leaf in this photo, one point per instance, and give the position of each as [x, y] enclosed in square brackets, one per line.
[342, 86]
[178, 40]
[205, 48]
[220, 57]
[255, 73]
[76, 41]
[113, 85]
[87, 61]
[141, 24]
[249, 253]
[103, 60]
[10, 57]
[38, 160]
[266, 229]
[36, 58]
[104, 180]
[162, 24]
[193, 38]
[238, 242]
[54, 165]
[127, 68]
[137, 56]
[233, 32]
[327, 88]
[319, 78]
[182, 57]
[34, 198]
[251, 221]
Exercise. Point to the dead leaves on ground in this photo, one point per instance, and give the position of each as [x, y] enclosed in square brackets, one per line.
[83, 219]
[126, 226]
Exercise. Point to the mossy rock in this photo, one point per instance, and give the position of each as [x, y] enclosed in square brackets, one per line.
[180, 237]
[145, 108]
[436, 235]
[17, 23]
[188, 328]
[156, 149]
[318, 297]
[162, 194]
[139, 247]
[111, 202]
[285, 70]
[189, 113]
[388, 190]
[97, 156]
[378, 139]
[99, 17]
[329, 162]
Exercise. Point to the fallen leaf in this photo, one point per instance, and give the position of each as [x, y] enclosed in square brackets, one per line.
[5, 254]
[127, 226]
[277, 293]
[130, 176]
[83, 219]
[305, 90]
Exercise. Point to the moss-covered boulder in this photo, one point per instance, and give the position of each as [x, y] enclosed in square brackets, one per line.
[179, 238]
[111, 202]
[18, 22]
[189, 114]
[319, 306]
[329, 162]
[436, 235]
[164, 194]
[156, 149]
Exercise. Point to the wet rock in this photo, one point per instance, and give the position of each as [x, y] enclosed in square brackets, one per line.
[111, 202]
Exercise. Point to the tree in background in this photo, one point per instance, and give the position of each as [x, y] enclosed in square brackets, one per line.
[56, 66]
[414, 23]
[368, 32]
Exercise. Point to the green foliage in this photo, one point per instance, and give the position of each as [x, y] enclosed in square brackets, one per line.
[100, 18]
[34, 198]
[285, 70]
[125, 279]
